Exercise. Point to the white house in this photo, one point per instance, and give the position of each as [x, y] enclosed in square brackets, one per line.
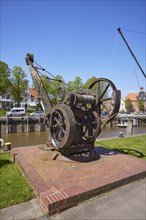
[122, 106]
[6, 101]
[30, 100]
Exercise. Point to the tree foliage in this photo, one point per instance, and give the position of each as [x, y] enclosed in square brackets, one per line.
[19, 84]
[128, 104]
[76, 85]
[140, 104]
[4, 77]
[95, 88]
[51, 87]
[89, 81]
[38, 107]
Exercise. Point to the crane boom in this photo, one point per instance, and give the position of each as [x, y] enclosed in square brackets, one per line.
[119, 30]
[39, 85]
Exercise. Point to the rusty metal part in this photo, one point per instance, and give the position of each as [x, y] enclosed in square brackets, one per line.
[91, 126]
[62, 126]
[107, 98]
[76, 98]
[63, 95]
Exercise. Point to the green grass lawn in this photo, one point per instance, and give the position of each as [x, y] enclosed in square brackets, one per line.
[135, 146]
[13, 186]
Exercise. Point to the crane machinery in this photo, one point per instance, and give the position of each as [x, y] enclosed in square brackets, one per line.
[76, 120]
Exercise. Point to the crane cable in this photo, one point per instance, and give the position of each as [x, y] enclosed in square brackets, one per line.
[112, 54]
[137, 32]
[136, 73]
[44, 70]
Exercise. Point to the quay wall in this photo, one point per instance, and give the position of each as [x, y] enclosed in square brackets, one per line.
[137, 120]
[21, 124]
[31, 124]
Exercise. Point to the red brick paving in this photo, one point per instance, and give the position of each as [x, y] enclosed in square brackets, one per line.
[60, 184]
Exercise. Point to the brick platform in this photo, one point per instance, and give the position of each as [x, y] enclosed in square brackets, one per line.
[62, 184]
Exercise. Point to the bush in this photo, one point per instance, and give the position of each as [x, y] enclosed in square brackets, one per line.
[3, 112]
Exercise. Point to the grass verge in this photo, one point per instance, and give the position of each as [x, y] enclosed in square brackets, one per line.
[135, 146]
[13, 186]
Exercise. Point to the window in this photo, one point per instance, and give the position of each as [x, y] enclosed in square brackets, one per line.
[8, 97]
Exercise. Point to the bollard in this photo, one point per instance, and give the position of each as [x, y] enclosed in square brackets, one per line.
[120, 135]
[1, 142]
[129, 128]
[7, 146]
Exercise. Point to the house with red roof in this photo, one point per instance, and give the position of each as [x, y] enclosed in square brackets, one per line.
[134, 97]
[31, 98]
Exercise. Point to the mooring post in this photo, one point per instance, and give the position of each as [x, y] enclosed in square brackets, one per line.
[129, 127]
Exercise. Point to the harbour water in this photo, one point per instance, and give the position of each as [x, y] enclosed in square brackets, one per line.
[36, 138]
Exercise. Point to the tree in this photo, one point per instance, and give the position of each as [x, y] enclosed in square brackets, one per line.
[128, 104]
[89, 81]
[51, 87]
[76, 85]
[140, 104]
[4, 77]
[95, 88]
[19, 84]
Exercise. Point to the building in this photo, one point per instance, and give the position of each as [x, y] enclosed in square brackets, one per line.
[134, 97]
[122, 106]
[6, 101]
[141, 95]
[30, 100]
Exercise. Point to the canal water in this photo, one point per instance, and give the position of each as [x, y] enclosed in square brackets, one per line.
[35, 138]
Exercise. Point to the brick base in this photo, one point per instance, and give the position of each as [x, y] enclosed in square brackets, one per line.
[60, 184]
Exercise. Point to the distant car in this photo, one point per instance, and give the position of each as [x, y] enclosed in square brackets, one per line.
[128, 112]
[16, 112]
[37, 114]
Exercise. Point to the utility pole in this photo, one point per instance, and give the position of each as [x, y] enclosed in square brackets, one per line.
[119, 30]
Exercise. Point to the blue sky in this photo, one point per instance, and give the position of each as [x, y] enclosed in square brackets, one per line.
[77, 38]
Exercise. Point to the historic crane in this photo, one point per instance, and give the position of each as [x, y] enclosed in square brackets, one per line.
[75, 122]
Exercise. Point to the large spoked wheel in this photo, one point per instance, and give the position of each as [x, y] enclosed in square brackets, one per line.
[108, 98]
[91, 126]
[62, 126]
